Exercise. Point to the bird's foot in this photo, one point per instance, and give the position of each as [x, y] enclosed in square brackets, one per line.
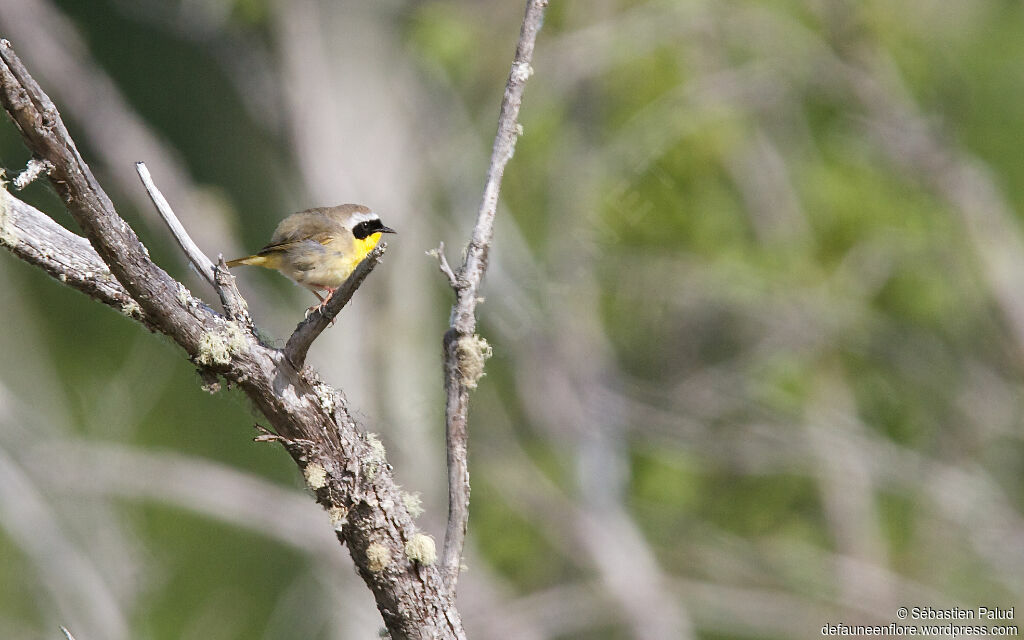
[323, 303]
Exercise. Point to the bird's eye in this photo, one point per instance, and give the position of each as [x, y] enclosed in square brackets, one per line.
[363, 230]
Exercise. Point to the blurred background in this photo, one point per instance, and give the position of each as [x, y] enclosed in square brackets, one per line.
[756, 300]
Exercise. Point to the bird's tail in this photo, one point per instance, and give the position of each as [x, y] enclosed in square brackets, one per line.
[256, 261]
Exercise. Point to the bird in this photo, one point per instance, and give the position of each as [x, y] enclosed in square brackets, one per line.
[320, 248]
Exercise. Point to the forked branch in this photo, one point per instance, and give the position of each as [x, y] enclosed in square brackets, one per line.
[195, 255]
[345, 468]
[217, 276]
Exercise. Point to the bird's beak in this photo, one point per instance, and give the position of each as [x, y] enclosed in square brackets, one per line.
[386, 230]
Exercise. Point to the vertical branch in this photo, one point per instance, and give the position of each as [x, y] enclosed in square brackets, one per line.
[465, 352]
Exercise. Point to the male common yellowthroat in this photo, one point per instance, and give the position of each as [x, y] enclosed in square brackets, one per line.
[319, 248]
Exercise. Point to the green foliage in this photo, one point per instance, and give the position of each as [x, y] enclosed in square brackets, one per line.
[448, 37]
[512, 544]
[233, 565]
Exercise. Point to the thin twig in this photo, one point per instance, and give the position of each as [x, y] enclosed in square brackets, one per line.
[442, 264]
[457, 340]
[195, 255]
[67, 634]
[308, 330]
[218, 275]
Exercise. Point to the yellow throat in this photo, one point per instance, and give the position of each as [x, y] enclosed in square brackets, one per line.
[363, 247]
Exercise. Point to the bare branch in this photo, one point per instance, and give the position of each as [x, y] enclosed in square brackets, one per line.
[35, 238]
[43, 130]
[195, 255]
[345, 468]
[464, 353]
[218, 275]
[442, 264]
[235, 305]
[308, 330]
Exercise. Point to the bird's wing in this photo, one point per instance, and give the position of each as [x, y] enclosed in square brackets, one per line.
[305, 225]
[284, 244]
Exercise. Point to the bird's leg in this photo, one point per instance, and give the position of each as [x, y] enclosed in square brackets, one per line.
[330, 293]
[323, 301]
[319, 297]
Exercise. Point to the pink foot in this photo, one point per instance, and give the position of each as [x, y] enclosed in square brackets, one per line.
[323, 302]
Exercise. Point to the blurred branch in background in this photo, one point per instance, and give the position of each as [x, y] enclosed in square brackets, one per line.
[115, 132]
[70, 578]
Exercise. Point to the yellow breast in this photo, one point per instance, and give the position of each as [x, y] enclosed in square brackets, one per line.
[338, 272]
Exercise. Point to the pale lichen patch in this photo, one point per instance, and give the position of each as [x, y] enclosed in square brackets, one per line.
[213, 349]
[421, 549]
[377, 456]
[131, 309]
[338, 517]
[413, 503]
[217, 347]
[521, 71]
[35, 168]
[326, 394]
[377, 557]
[235, 338]
[472, 352]
[376, 446]
[316, 475]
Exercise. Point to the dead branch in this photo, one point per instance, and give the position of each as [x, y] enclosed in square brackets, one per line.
[218, 275]
[464, 352]
[345, 468]
[195, 255]
[35, 238]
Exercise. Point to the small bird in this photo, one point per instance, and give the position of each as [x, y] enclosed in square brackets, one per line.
[320, 248]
